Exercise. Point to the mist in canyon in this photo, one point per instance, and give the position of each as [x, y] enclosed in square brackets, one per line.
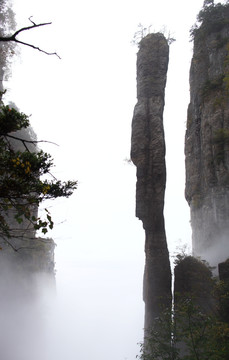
[84, 103]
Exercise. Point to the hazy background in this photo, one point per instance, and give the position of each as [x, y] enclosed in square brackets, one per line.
[84, 103]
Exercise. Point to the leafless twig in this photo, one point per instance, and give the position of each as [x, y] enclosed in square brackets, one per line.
[13, 37]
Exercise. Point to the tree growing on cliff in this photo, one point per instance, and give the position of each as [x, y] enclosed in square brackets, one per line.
[190, 331]
[25, 178]
[210, 18]
[142, 32]
[186, 333]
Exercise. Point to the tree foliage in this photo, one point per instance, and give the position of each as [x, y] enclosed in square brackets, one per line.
[142, 32]
[211, 18]
[189, 331]
[25, 178]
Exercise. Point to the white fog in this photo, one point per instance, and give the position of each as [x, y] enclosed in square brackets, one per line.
[84, 103]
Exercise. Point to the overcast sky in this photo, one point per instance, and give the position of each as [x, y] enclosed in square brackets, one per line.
[84, 102]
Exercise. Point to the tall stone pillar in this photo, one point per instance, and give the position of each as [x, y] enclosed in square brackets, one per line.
[148, 154]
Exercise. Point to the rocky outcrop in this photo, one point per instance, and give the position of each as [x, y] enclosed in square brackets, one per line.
[223, 290]
[193, 295]
[193, 279]
[207, 137]
[148, 154]
[224, 271]
[29, 255]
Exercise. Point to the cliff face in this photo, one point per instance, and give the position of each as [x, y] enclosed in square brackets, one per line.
[207, 138]
[148, 154]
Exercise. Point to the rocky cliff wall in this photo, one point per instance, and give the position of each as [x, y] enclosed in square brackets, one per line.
[207, 137]
[148, 154]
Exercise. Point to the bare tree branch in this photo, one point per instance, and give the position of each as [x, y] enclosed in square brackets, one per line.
[13, 37]
[29, 141]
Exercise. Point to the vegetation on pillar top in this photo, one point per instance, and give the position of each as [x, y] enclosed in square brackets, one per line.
[143, 32]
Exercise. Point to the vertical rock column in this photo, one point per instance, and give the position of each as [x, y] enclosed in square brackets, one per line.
[148, 154]
[207, 138]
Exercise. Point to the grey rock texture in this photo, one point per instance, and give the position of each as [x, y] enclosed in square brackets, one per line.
[224, 287]
[207, 140]
[32, 255]
[224, 271]
[148, 154]
[193, 278]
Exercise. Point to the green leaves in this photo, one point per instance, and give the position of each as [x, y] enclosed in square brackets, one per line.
[12, 120]
[43, 225]
[25, 179]
[211, 18]
[188, 331]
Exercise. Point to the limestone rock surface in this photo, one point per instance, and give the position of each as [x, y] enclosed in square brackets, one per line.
[148, 154]
[207, 139]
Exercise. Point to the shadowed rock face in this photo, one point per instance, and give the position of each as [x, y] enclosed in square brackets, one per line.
[193, 279]
[148, 154]
[193, 289]
[207, 140]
